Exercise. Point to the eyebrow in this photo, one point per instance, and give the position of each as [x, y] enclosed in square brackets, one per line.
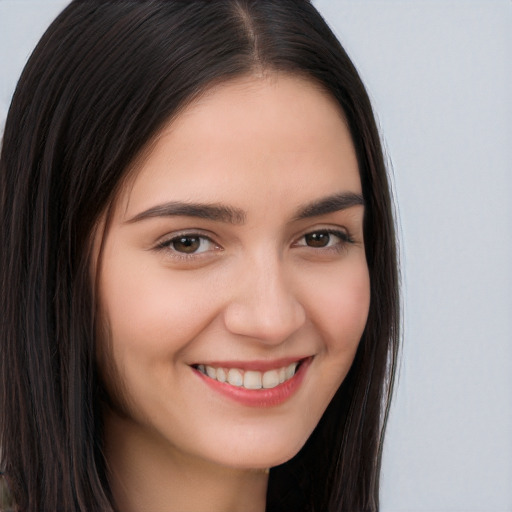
[215, 212]
[330, 204]
[231, 215]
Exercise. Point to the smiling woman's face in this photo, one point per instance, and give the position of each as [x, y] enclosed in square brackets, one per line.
[235, 254]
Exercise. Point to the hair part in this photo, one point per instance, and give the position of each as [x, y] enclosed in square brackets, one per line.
[104, 79]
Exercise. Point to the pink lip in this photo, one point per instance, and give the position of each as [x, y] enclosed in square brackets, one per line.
[259, 397]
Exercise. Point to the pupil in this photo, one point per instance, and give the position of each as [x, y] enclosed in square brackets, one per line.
[317, 239]
[187, 244]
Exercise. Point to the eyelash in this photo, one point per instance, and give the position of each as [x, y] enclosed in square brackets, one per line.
[167, 244]
[344, 237]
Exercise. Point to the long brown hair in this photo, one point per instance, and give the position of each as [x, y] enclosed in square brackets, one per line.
[104, 78]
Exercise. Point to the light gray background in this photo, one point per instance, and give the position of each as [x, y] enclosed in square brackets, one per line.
[440, 75]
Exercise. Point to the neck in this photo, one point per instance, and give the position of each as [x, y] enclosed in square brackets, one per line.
[147, 473]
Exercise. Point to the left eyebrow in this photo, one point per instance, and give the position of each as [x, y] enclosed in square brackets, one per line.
[330, 204]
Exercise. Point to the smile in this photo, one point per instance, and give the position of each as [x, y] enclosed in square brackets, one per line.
[250, 379]
[255, 384]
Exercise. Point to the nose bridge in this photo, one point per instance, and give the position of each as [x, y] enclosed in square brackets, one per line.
[263, 304]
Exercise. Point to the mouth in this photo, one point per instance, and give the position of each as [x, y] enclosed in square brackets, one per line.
[255, 384]
[250, 379]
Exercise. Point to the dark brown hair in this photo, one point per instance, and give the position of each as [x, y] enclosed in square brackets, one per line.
[102, 81]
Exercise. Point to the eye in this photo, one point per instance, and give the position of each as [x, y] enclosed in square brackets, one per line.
[189, 244]
[324, 239]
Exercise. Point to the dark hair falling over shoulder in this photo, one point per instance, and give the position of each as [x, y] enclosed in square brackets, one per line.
[104, 78]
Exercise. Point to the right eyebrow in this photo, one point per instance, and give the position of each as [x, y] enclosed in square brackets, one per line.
[215, 212]
[330, 204]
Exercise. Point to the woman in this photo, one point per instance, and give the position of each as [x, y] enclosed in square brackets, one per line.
[198, 270]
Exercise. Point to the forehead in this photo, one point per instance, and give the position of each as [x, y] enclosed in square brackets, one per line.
[276, 136]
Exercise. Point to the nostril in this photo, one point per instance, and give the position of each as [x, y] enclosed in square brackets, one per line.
[262, 303]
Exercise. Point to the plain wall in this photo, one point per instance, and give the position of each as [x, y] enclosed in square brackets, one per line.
[440, 75]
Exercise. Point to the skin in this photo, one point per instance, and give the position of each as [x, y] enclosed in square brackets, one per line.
[256, 290]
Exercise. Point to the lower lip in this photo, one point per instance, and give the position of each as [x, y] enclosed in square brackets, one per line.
[259, 397]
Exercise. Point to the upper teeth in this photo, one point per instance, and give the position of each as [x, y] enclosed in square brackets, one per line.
[250, 379]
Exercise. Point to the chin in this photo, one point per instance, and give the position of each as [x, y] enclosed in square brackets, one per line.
[259, 450]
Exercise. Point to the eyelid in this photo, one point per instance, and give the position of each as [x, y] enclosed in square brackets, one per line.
[342, 233]
[199, 232]
[165, 243]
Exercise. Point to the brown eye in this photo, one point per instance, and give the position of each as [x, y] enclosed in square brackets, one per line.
[186, 244]
[325, 239]
[320, 239]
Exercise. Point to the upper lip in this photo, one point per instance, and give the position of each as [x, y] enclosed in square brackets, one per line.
[256, 365]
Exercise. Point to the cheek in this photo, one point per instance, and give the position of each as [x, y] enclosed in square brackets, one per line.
[339, 303]
[152, 309]
[148, 318]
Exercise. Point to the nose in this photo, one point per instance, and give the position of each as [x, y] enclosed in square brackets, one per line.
[263, 304]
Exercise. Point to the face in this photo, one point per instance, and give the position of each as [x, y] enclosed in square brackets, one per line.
[233, 284]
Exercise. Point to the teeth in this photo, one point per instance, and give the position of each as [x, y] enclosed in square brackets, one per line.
[270, 379]
[250, 379]
[235, 377]
[221, 375]
[290, 371]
